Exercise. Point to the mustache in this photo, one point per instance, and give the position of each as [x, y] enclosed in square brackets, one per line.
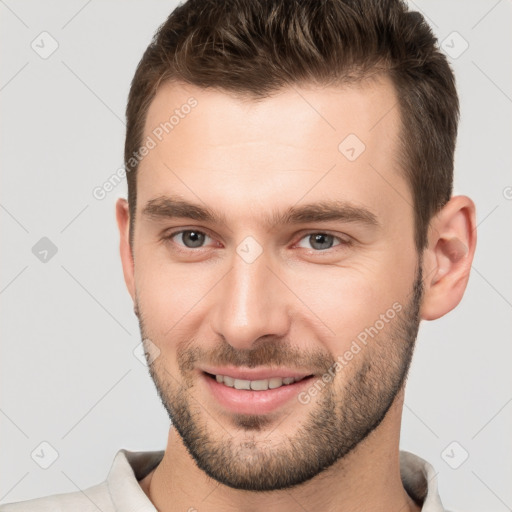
[270, 353]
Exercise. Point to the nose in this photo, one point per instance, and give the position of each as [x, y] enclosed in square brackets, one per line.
[251, 302]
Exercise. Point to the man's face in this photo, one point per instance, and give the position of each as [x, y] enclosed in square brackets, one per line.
[306, 269]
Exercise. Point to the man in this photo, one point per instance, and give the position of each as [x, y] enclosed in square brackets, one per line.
[289, 223]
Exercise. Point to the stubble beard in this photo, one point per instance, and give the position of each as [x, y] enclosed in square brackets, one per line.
[343, 416]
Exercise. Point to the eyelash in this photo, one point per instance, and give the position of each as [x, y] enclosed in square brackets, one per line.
[182, 248]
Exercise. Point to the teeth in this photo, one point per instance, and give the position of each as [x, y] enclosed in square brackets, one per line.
[259, 385]
[242, 384]
[228, 381]
[275, 382]
[256, 385]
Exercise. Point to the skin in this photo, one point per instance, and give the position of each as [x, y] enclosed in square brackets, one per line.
[244, 159]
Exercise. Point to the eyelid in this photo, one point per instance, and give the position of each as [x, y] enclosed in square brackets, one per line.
[342, 238]
[170, 234]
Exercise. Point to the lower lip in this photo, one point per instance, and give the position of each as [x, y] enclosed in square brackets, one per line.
[245, 401]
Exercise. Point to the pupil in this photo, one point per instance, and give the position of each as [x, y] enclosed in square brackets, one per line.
[193, 238]
[321, 241]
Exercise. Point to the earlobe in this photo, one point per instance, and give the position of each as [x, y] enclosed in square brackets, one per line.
[123, 223]
[448, 257]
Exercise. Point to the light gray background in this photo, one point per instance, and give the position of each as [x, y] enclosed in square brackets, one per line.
[68, 373]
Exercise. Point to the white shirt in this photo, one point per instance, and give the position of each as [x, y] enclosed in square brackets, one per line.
[121, 491]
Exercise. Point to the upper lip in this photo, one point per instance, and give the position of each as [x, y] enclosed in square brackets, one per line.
[254, 373]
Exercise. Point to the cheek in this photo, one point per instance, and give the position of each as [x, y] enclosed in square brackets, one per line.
[175, 299]
[170, 294]
[350, 300]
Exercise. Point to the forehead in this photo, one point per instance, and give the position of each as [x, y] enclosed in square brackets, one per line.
[368, 109]
[319, 142]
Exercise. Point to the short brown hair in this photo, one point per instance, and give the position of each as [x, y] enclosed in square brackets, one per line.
[255, 47]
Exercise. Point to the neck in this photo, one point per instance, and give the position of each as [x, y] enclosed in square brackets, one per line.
[368, 478]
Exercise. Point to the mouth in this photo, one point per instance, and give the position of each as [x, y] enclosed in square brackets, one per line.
[266, 392]
[255, 385]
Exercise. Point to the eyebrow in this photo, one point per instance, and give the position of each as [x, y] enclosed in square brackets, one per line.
[169, 207]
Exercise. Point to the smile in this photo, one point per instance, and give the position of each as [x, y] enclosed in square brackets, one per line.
[265, 392]
[256, 385]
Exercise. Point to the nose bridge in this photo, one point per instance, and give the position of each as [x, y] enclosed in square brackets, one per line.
[250, 304]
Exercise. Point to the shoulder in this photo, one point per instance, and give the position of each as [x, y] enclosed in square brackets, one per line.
[90, 500]
[120, 491]
[420, 481]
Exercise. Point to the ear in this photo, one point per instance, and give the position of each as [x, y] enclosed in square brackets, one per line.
[448, 257]
[123, 223]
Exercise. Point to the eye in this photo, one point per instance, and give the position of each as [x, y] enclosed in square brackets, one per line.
[320, 241]
[190, 238]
